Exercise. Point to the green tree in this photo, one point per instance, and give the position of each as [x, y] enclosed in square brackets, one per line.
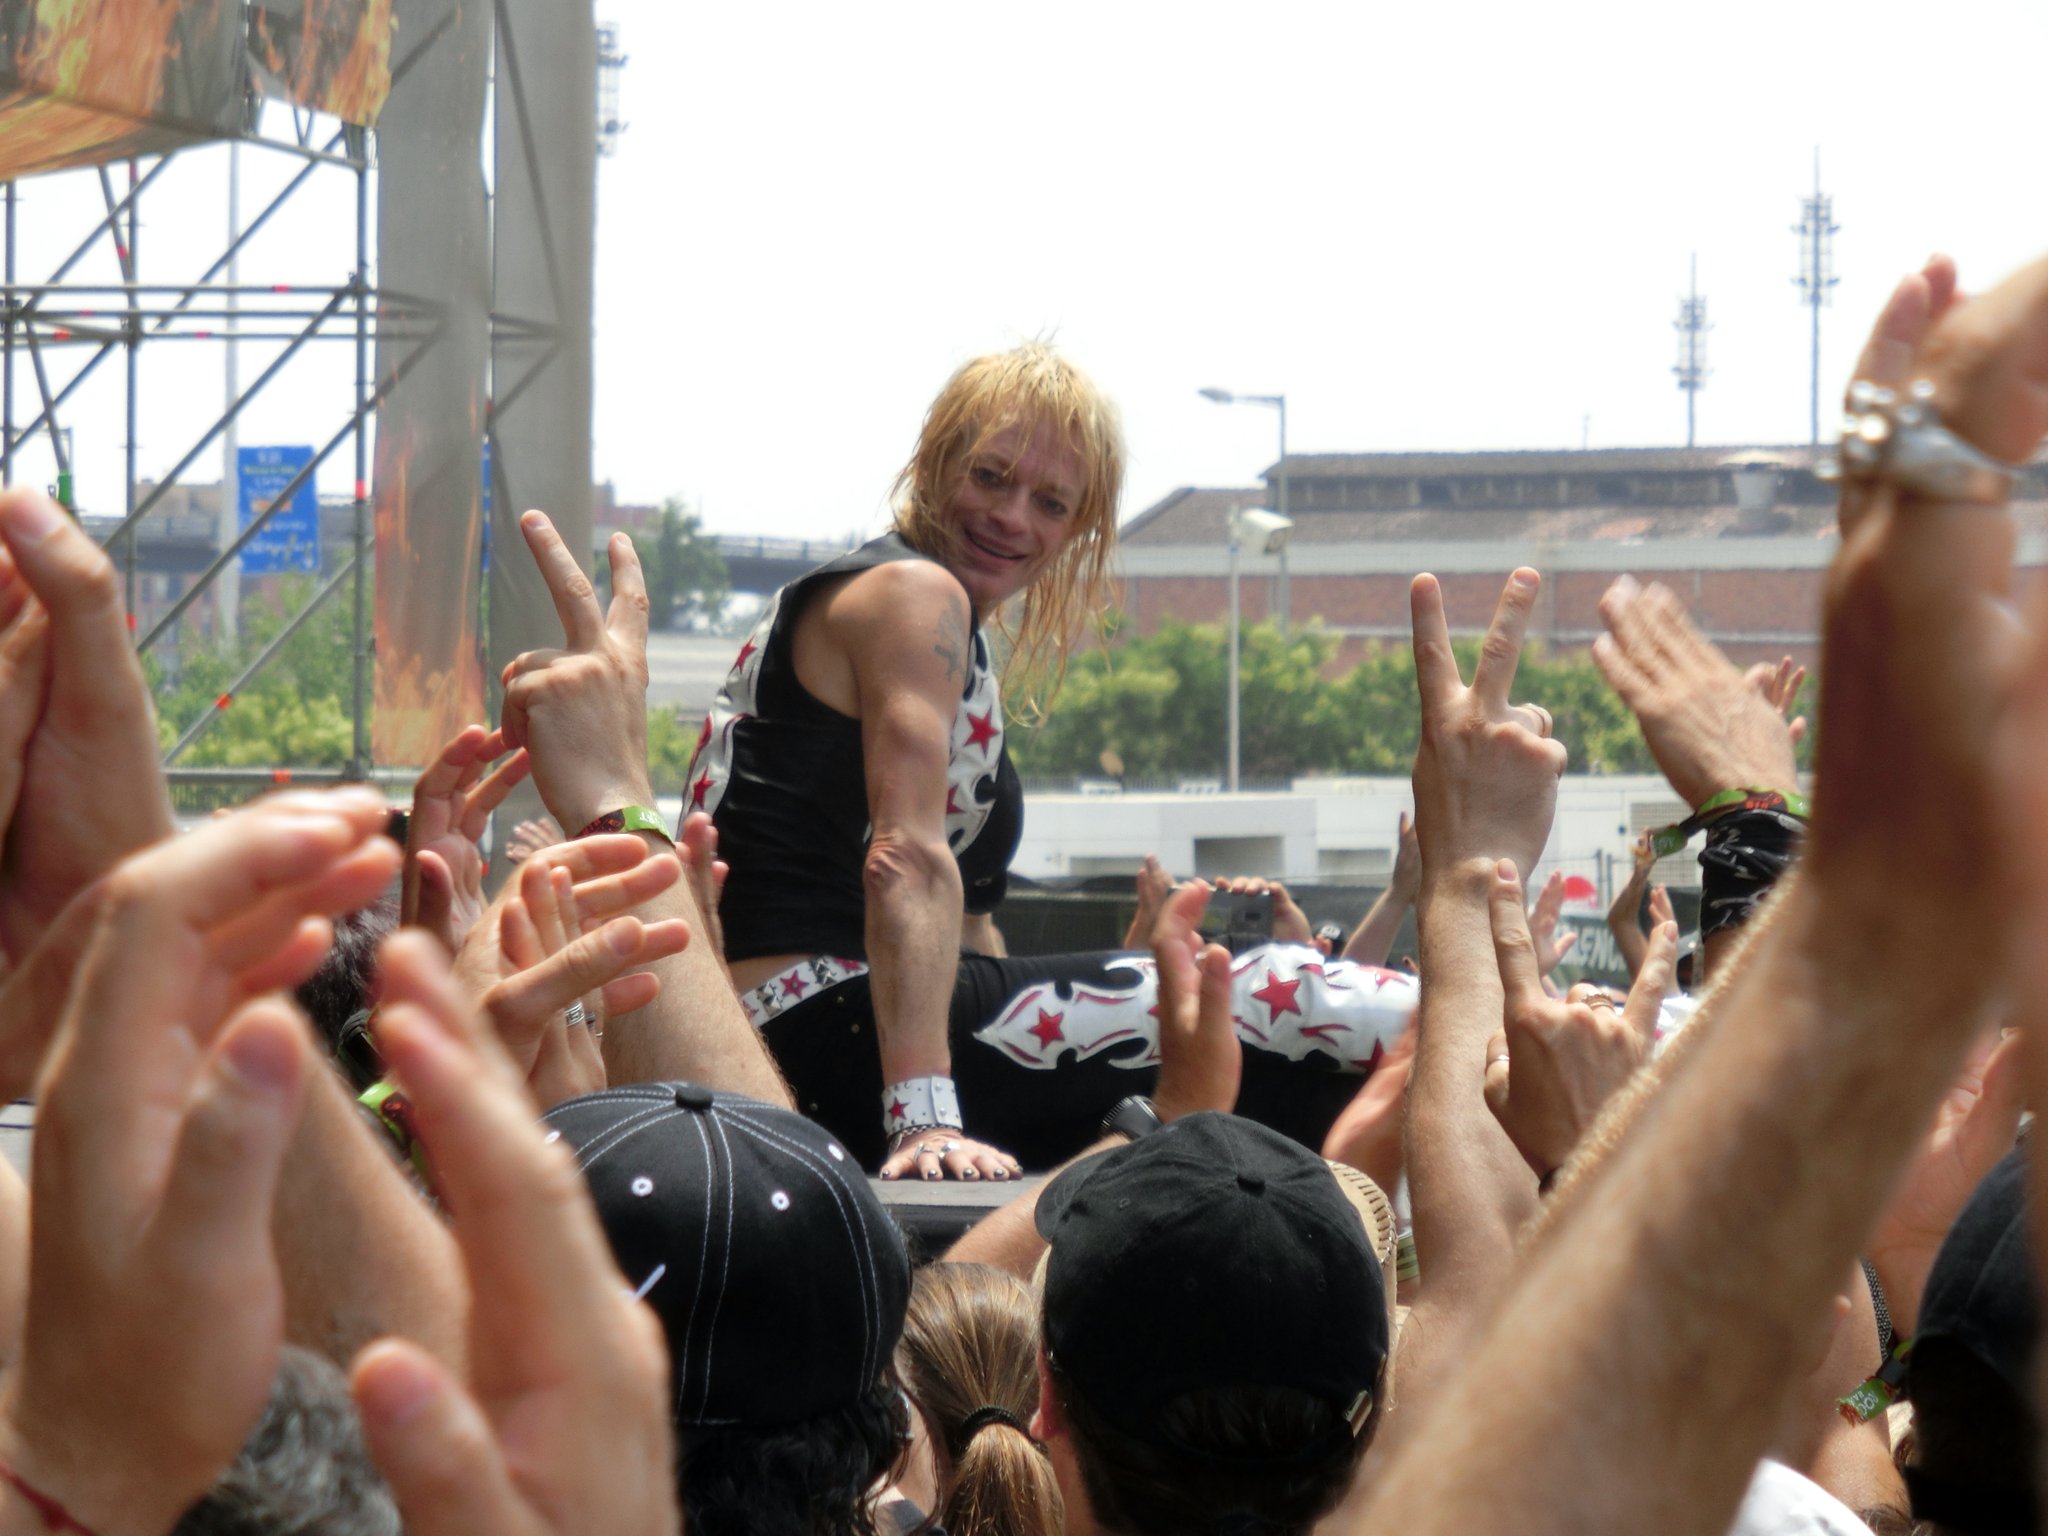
[294, 713]
[671, 743]
[1157, 702]
[686, 575]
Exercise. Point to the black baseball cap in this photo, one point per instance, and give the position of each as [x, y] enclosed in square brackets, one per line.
[1970, 1371]
[1212, 1254]
[779, 1278]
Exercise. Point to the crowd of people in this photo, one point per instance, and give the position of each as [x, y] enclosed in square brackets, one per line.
[363, 1199]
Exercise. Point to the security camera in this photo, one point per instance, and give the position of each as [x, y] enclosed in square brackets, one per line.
[1260, 531]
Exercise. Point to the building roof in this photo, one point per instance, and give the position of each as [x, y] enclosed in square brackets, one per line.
[1527, 496]
[1536, 461]
[1194, 513]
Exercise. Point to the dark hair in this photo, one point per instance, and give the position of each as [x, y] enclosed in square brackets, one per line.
[346, 979]
[304, 1470]
[970, 1342]
[810, 1478]
[1241, 1474]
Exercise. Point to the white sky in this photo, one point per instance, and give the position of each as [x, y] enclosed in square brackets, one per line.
[1432, 226]
[1442, 226]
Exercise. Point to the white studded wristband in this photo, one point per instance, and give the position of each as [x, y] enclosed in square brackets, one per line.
[921, 1104]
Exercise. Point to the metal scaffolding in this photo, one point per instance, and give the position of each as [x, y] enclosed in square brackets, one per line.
[67, 328]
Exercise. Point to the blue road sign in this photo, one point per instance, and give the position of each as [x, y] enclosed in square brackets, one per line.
[290, 540]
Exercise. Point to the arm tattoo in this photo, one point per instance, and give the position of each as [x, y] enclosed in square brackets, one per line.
[955, 639]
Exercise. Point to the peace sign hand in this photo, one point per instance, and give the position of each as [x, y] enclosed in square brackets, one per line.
[581, 711]
[1486, 773]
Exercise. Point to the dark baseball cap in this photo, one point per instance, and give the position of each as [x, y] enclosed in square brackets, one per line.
[779, 1279]
[1970, 1371]
[1212, 1254]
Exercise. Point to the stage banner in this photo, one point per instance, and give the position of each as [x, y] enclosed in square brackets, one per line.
[545, 111]
[432, 248]
[290, 537]
[333, 56]
[83, 82]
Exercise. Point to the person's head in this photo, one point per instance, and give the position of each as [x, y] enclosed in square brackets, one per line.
[304, 1466]
[1178, 1403]
[969, 1360]
[1013, 487]
[1969, 1373]
[337, 997]
[781, 1285]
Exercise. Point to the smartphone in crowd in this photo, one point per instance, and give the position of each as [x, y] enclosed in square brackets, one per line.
[1238, 920]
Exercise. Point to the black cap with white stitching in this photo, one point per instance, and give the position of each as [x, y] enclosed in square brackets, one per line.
[778, 1276]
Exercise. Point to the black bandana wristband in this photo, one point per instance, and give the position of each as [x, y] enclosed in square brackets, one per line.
[1746, 854]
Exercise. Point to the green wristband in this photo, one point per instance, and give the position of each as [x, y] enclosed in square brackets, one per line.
[393, 1111]
[1665, 841]
[630, 818]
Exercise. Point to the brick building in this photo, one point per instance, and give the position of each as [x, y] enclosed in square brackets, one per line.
[1743, 535]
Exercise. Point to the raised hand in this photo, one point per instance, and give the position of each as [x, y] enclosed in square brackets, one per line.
[1780, 687]
[1550, 947]
[1406, 879]
[1154, 885]
[1367, 1134]
[1708, 728]
[529, 837]
[1919, 628]
[451, 803]
[564, 1426]
[80, 775]
[1556, 1062]
[523, 963]
[1974, 1127]
[581, 711]
[276, 942]
[1290, 923]
[706, 872]
[1200, 1059]
[1660, 907]
[1644, 856]
[1486, 773]
[155, 1312]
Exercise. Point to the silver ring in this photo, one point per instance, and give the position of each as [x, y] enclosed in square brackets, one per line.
[1598, 1000]
[1492, 1059]
[575, 1015]
[1907, 443]
[1546, 723]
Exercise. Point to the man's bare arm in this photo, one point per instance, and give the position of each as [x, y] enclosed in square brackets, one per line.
[581, 713]
[1485, 790]
[1832, 1045]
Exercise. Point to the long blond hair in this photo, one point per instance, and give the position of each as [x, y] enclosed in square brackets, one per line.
[970, 1341]
[1033, 388]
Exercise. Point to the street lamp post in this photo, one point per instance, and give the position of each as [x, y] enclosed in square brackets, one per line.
[1270, 534]
[1285, 604]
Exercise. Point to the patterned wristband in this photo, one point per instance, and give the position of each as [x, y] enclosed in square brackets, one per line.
[630, 818]
[393, 1111]
[921, 1104]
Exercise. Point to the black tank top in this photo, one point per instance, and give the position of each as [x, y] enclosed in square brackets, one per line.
[783, 779]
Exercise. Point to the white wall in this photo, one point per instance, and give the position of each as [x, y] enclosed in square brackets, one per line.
[1320, 822]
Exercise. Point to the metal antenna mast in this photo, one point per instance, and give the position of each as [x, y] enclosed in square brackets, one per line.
[1816, 280]
[1692, 328]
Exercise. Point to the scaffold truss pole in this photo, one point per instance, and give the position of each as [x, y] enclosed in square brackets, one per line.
[359, 751]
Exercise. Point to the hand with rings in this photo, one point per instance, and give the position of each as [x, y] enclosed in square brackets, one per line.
[938, 1152]
[1556, 1061]
[1486, 772]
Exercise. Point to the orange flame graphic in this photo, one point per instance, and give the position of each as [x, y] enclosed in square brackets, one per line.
[91, 75]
